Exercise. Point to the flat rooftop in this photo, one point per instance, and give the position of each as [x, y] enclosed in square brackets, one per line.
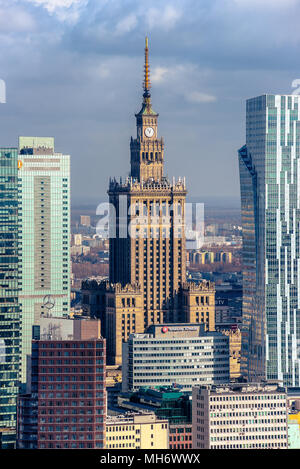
[244, 388]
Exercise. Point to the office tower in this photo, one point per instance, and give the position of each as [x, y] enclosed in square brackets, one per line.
[137, 431]
[240, 416]
[269, 176]
[9, 307]
[44, 230]
[68, 382]
[147, 256]
[175, 354]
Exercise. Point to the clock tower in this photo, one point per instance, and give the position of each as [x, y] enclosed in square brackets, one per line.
[147, 149]
[147, 257]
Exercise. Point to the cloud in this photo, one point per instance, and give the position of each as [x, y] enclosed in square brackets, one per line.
[182, 77]
[159, 74]
[53, 5]
[74, 69]
[103, 71]
[13, 19]
[262, 4]
[65, 10]
[126, 25]
[198, 97]
[162, 18]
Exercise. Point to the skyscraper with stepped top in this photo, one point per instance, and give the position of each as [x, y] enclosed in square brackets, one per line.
[147, 263]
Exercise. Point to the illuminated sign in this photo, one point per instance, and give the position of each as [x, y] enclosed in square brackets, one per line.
[178, 329]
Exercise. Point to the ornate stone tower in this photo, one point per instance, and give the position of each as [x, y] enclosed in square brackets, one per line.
[152, 252]
[147, 257]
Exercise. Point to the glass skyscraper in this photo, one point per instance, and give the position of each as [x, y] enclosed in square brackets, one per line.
[44, 230]
[270, 198]
[9, 308]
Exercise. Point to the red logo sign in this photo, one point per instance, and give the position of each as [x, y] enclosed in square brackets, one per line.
[164, 329]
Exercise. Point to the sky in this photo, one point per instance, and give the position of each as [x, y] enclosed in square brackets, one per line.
[73, 70]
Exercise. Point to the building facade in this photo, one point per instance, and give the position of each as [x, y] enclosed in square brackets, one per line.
[9, 305]
[269, 176]
[137, 431]
[44, 243]
[235, 345]
[241, 416]
[27, 420]
[181, 436]
[68, 383]
[198, 303]
[175, 354]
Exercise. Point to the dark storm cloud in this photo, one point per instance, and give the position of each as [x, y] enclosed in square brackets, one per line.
[73, 69]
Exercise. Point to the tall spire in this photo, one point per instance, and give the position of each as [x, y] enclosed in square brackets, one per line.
[146, 105]
[147, 71]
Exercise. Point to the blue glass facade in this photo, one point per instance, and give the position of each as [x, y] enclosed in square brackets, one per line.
[270, 184]
[9, 308]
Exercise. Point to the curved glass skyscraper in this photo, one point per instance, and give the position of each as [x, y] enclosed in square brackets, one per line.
[270, 196]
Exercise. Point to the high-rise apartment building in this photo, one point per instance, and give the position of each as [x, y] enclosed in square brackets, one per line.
[240, 416]
[44, 235]
[175, 354]
[147, 255]
[9, 307]
[68, 384]
[269, 176]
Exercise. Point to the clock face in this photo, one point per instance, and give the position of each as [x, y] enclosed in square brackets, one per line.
[149, 132]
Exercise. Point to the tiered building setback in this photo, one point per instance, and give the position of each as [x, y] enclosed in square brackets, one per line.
[147, 255]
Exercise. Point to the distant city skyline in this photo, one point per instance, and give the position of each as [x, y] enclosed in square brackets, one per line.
[68, 68]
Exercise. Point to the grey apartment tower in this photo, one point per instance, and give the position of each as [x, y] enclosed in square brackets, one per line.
[270, 199]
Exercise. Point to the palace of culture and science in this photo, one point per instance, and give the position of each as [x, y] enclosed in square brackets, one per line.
[147, 257]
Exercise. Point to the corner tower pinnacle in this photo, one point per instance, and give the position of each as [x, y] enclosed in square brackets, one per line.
[147, 150]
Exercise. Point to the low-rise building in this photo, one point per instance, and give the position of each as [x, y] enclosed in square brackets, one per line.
[180, 436]
[294, 431]
[167, 403]
[175, 354]
[240, 416]
[137, 431]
